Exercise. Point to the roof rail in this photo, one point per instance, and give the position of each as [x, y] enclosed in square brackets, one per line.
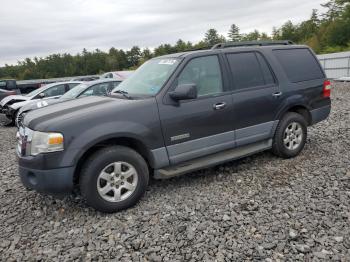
[252, 43]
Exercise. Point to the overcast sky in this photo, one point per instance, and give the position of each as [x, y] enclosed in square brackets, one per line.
[42, 27]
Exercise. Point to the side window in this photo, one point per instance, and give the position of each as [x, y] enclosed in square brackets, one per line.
[299, 64]
[72, 85]
[55, 91]
[3, 85]
[246, 70]
[205, 73]
[268, 77]
[96, 90]
[113, 85]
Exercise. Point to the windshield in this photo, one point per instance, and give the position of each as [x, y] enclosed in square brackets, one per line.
[74, 92]
[149, 78]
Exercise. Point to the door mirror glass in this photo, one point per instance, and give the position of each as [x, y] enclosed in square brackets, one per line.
[183, 92]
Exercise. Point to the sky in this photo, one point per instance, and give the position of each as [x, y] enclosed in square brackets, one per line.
[43, 27]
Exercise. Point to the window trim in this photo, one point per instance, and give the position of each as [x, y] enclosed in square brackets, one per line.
[235, 89]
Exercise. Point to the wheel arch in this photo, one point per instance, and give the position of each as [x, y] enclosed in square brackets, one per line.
[130, 142]
[296, 106]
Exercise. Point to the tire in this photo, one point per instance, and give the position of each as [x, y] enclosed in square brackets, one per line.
[115, 188]
[296, 125]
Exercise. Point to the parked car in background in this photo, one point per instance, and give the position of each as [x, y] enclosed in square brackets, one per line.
[10, 105]
[101, 87]
[176, 114]
[119, 75]
[8, 87]
[85, 78]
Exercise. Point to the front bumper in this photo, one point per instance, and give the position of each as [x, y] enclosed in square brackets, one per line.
[8, 111]
[53, 181]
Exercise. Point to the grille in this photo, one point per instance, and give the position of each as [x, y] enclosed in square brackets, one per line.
[19, 119]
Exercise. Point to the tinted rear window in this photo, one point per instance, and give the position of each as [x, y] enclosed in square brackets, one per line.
[299, 64]
[246, 70]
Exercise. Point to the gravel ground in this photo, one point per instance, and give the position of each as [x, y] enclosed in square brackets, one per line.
[258, 208]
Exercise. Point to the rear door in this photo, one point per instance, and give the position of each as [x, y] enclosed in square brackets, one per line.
[198, 127]
[256, 96]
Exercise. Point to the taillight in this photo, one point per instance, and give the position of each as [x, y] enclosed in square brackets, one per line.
[10, 93]
[327, 88]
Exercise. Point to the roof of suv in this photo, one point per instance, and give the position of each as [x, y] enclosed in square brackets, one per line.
[237, 46]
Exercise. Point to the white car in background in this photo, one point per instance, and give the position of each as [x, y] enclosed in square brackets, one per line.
[10, 105]
[118, 75]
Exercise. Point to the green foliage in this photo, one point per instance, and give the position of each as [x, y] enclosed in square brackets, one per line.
[233, 34]
[325, 33]
[212, 37]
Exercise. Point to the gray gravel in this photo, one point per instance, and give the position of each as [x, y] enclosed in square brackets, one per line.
[258, 208]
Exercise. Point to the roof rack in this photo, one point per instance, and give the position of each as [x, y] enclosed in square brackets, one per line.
[252, 43]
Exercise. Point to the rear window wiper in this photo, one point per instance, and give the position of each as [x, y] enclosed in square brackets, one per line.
[124, 93]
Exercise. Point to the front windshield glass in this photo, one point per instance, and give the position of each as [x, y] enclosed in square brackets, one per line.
[74, 92]
[149, 78]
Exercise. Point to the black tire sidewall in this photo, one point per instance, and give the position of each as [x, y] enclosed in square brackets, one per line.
[97, 162]
[278, 146]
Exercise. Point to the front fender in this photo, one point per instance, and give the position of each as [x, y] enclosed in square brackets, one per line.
[76, 146]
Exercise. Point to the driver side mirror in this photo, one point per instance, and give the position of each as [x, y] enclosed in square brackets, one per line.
[41, 95]
[184, 92]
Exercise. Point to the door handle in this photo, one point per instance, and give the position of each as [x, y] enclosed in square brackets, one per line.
[277, 94]
[219, 106]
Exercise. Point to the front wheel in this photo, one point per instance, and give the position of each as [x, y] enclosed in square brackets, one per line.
[113, 179]
[290, 136]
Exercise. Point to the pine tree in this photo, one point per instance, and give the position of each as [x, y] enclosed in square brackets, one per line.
[212, 37]
[234, 34]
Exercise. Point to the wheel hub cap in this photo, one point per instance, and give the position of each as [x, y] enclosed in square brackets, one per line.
[293, 136]
[117, 181]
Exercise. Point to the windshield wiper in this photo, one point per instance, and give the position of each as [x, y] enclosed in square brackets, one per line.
[122, 92]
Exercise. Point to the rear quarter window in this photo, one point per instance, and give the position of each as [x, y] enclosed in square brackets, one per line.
[299, 64]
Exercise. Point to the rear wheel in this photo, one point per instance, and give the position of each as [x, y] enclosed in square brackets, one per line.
[290, 136]
[113, 179]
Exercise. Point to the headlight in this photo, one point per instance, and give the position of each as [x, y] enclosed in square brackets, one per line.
[45, 142]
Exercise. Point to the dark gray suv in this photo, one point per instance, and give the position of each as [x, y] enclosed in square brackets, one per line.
[175, 114]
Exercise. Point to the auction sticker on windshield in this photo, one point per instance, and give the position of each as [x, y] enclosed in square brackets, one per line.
[167, 62]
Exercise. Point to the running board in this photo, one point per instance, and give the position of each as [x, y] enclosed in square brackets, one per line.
[212, 160]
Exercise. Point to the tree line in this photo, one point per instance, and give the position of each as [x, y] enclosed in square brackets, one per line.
[325, 33]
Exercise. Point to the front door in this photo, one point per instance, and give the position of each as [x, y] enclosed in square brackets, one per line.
[198, 127]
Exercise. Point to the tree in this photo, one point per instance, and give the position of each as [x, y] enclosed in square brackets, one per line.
[182, 46]
[234, 34]
[212, 37]
[252, 36]
[133, 56]
[328, 32]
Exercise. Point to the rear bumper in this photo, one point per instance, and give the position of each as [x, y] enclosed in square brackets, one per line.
[53, 181]
[320, 114]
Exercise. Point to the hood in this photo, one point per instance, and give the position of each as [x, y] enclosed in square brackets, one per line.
[35, 104]
[17, 98]
[71, 112]
[18, 105]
